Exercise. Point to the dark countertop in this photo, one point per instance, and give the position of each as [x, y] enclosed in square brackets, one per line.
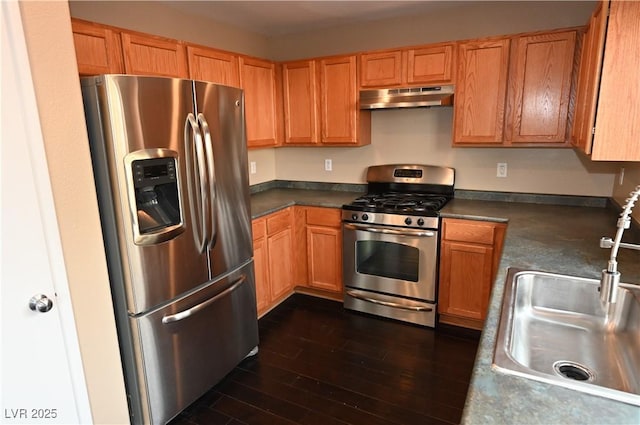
[554, 238]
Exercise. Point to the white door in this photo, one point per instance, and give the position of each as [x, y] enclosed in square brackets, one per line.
[42, 378]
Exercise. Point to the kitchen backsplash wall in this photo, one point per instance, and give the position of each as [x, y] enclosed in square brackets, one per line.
[630, 179]
[424, 136]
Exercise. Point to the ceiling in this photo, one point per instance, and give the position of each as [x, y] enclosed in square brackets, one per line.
[275, 18]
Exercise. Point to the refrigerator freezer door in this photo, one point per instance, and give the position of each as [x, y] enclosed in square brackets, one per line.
[220, 112]
[190, 345]
[127, 117]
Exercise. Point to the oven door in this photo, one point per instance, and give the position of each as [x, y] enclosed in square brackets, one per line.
[394, 261]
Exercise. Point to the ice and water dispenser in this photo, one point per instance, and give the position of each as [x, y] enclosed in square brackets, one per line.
[157, 200]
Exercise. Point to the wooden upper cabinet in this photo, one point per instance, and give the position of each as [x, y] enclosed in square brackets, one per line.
[98, 49]
[301, 102]
[381, 69]
[427, 65]
[258, 79]
[151, 55]
[481, 89]
[431, 65]
[213, 66]
[589, 76]
[617, 127]
[343, 123]
[540, 87]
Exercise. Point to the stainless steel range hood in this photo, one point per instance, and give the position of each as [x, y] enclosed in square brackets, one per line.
[414, 97]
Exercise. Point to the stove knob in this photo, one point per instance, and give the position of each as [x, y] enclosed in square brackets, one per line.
[420, 222]
[354, 217]
[407, 221]
[365, 217]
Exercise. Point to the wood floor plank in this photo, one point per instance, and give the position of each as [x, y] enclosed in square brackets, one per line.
[321, 364]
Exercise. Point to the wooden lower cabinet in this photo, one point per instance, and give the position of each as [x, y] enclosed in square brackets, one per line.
[469, 256]
[324, 248]
[272, 254]
[298, 247]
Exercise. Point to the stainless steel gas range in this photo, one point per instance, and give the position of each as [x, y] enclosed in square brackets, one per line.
[391, 240]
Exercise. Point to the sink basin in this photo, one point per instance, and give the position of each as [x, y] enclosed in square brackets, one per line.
[554, 329]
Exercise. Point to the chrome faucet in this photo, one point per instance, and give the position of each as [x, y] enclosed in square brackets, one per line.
[611, 276]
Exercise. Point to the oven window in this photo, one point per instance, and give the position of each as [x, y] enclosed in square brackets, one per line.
[387, 259]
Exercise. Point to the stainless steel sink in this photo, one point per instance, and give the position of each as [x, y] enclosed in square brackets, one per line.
[554, 329]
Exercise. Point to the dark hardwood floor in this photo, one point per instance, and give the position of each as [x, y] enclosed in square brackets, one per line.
[321, 364]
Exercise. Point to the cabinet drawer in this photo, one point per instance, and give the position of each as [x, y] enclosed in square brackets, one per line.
[329, 217]
[279, 221]
[469, 231]
[259, 228]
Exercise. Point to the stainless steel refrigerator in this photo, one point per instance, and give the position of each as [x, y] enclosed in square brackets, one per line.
[170, 165]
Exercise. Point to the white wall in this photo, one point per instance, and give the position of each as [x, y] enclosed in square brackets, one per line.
[47, 27]
[630, 180]
[153, 17]
[454, 20]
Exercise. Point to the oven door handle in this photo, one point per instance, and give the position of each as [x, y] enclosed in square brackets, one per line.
[404, 232]
[355, 294]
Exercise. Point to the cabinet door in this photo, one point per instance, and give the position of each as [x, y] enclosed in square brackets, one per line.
[280, 264]
[465, 279]
[339, 99]
[213, 66]
[431, 65]
[300, 102]
[325, 258]
[324, 248]
[261, 266]
[150, 55]
[258, 79]
[617, 128]
[381, 69]
[480, 92]
[98, 49]
[589, 78]
[540, 88]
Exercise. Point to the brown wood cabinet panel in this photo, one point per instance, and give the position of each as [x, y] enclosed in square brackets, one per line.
[588, 80]
[280, 264]
[468, 231]
[617, 127]
[258, 79]
[540, 87]
[431, 65]
[342, 121]
[469, 256]
[301, 111]
[465, 279]
[261, 267]
[213, 66]
[481, 89]
[279, 221]
[151, 55]
[325, 257]
[381, 69]
[98, 49]
[328, 217]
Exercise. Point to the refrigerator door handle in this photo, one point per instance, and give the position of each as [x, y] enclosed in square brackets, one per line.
[208, 147]
[199, 207]
[193, 310]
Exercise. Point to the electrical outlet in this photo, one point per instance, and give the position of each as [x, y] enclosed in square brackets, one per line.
[328, 165]
[502, 169]
[252, 167]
